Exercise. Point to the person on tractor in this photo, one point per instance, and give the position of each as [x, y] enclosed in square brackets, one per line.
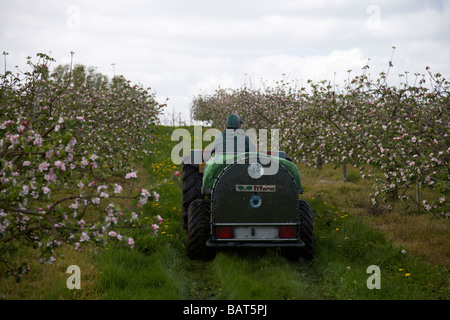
[233, 139]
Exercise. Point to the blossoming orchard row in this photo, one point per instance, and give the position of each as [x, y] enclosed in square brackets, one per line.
[397, 136]
[68, 139]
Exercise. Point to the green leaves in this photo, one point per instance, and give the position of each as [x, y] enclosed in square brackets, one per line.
[62, 133]
[396, 136]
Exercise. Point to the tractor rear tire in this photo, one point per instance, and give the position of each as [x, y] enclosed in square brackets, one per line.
[199, 231]
[192, 189]
[306, 235]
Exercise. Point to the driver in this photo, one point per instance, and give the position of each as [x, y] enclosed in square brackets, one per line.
[233, 139]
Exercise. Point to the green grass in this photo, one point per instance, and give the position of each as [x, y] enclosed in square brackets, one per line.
[345, 247]
[259, 275]
[130, 274]
[157, 268]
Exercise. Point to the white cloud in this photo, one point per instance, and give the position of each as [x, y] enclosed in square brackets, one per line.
[314, 67]
[180, 47]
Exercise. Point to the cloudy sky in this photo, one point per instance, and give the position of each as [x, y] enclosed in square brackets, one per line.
[182, 48]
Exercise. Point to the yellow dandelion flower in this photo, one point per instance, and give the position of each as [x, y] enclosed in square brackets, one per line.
[400, 269]
[337, 229]
[407, 274]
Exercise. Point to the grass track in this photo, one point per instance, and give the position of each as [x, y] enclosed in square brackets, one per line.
[158, 268]
[345, 248]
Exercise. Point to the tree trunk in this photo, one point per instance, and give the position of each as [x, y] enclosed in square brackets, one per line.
[344, 171]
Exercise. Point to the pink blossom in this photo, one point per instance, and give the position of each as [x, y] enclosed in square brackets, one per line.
[145, 193]
[117, 188]
[112, 234]
[156, 196]
[20, 129]
[160, 220]
[72, 142]
[5, 124]
[131, 175]
[104, 195]
[100, 188]
[84, 237]
[25, 190]
[84, 162]
[50, 177]
[131, 242]
[14, 139]
[176, 173]
[60, 165]
[74, 205]
[37, 140]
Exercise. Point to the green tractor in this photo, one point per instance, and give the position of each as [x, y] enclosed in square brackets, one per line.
[245, 200]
